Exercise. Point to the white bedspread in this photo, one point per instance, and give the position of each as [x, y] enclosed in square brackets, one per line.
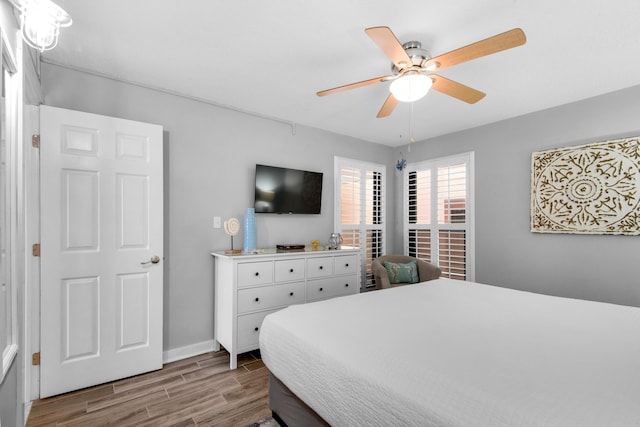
[450, 353]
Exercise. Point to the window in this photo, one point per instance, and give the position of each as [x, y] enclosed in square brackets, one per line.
[8, 141]
[438, 225]
[359, 210]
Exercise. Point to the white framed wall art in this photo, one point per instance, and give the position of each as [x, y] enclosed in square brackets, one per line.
[587, 189]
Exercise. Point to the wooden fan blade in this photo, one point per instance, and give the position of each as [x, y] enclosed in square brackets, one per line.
[387, 107]
[352, 86]
[498, 43]
[388, 42]
[455, 89]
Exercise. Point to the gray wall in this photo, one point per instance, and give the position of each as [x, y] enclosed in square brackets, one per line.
[211, 153]
[601, 268]
[9, 406]
[210, 157]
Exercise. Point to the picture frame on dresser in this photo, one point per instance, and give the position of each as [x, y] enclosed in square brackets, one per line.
[248, 287]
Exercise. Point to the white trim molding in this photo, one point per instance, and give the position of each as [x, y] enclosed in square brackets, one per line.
[185, 352]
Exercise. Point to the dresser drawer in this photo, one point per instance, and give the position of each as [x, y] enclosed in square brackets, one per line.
[331, 287]
[347, 264]
[320, 267]
[255, 273]
[270, 297]
[249, 330]
[289, 270]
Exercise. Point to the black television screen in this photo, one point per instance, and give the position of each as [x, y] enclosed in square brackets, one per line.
[291, 191]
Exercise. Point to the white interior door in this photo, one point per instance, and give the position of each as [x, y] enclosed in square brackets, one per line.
[101, 227]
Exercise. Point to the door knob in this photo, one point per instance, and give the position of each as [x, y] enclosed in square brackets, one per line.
[154, 260]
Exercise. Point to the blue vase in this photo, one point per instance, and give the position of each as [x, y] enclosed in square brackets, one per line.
[250, 230]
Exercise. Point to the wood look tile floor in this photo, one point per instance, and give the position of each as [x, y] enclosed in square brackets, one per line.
[199, 391]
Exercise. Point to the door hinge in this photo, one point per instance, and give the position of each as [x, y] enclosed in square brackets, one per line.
[35, 249]
[35, 359]
[35, 140]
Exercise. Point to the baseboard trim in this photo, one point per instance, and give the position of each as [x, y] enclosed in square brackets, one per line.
[180, 353]
[27, 410]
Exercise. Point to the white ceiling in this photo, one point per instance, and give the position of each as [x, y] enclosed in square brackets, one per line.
[271, 57]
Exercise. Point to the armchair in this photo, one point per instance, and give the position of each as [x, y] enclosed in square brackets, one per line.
[426, 271]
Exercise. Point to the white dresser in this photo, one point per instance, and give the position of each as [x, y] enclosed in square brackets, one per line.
[250, 286]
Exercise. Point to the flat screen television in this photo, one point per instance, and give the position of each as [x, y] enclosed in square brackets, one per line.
[287, 191]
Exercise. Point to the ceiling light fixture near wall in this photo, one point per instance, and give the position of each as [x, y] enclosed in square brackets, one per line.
[40, 22]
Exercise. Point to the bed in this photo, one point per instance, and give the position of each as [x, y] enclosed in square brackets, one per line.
[452, 353]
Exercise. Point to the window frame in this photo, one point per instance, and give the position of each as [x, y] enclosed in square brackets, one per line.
[363, 226]
[9, 313]
[468, 158]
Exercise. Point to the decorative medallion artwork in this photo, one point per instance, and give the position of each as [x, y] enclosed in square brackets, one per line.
[591, 189]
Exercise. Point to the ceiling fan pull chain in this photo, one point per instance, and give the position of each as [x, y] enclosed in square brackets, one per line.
[411, 140]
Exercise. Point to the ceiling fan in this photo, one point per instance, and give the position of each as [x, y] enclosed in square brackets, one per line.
[413, 67]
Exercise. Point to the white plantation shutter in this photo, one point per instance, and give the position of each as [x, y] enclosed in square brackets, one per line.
[350, 205]
[359, 208]
[374, 222]
[419, 210]
[350, 196]
[439, 214]
[452, 197]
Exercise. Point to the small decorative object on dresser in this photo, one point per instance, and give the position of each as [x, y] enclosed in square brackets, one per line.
[335, 241]
[231, 227]
[248, 287]
[250, 230]
[290, 247]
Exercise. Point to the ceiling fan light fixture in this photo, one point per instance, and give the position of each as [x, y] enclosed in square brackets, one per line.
[40, 22]
[410, 87]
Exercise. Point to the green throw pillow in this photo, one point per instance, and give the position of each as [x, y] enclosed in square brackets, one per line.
[402, 273]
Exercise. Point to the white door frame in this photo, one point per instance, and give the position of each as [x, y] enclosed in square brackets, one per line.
[31, 319]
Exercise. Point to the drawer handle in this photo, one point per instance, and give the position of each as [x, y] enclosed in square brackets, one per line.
[290, 294]
[256, 329]
[321, 267]
[346, 265]
[291, 271]
[258, 299]
[257, 274]
[320, 289]
[346, 285]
